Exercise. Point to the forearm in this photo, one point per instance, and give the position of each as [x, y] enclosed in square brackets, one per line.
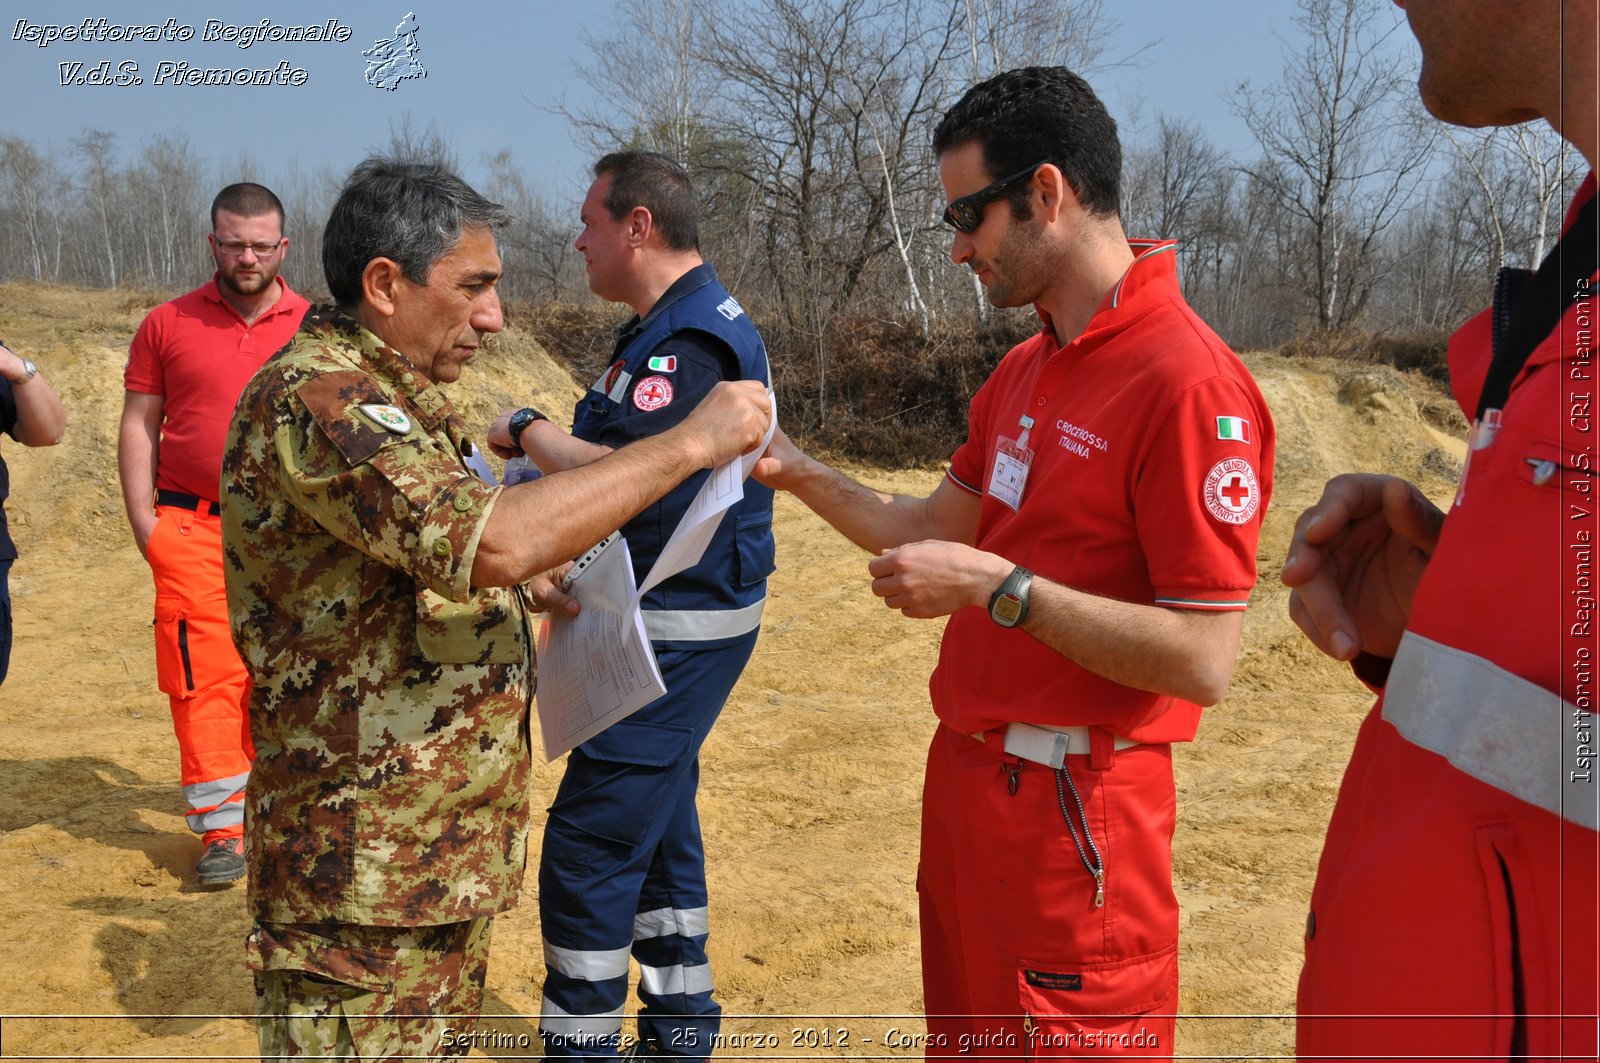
[873, 520]
[554, 450]
[136, 468]
[1185, 653]
[538, 525]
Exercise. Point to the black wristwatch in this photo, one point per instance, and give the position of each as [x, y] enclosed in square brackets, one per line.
[1008, 606]
[520, 421]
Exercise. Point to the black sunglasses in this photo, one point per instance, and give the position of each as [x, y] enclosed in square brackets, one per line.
[966, 214]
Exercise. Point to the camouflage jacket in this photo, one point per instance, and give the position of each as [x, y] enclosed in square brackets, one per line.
[391, 698]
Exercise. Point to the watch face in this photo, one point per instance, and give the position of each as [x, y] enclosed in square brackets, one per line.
[1007, 608]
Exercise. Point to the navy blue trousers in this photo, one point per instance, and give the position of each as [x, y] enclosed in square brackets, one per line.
[623, 872]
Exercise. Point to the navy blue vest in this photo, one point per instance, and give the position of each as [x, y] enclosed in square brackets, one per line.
[720, 598]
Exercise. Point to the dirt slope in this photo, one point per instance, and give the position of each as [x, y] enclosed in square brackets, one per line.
[811, 779]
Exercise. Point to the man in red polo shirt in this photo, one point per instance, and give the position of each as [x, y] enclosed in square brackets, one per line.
[1094, 546]
[186, 366]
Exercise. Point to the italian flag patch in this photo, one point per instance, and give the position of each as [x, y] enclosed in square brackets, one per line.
[1234, 428]
[664, 364]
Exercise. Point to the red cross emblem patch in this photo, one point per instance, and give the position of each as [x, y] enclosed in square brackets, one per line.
[1232, 493]
[652, 393]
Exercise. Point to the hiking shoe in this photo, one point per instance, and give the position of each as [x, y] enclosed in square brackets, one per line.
[223, 862]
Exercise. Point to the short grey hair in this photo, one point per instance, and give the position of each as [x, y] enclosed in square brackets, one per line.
[411, 212]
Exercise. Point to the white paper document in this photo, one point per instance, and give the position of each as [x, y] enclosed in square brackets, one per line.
[597, 667]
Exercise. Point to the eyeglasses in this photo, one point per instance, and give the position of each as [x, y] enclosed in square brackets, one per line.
[235, 248]
[966, 214]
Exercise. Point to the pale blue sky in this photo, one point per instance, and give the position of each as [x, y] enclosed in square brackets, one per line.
[493, 69]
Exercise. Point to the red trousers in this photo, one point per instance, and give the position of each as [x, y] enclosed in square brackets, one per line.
[1017, 959]
[199, 670]
[1449, 919]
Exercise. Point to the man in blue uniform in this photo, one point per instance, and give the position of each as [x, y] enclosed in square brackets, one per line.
[623, 869]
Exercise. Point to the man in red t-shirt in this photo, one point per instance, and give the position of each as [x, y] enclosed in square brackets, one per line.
[1094, 547]
[186, 366]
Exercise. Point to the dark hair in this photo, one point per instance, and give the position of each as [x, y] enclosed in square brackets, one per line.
[1039, 114]
[659, 185]
[248, 200]
[411, 212]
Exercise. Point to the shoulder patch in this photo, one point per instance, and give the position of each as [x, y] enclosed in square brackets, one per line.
[653, 393]
[334, 399]
[390, 417]
[1232, 493]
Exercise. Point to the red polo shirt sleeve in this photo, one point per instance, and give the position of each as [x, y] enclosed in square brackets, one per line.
[1199, 504]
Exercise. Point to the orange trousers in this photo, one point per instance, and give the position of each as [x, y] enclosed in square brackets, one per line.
[199, 670]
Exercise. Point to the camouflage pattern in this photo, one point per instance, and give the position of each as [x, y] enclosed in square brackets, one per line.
[391, 698]
[363, 992]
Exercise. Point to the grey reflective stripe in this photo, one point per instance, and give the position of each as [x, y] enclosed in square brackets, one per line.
[675, 980]
[702, 625]
[588, 965]
[578, 1027]
[212, 809]
[687, 922]
[1502, 730]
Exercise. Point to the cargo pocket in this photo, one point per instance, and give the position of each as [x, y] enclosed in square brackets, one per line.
[620, 779]
[174, 665]
[326, 960]
[757, 551]
[476, 632]
[1125, 1006]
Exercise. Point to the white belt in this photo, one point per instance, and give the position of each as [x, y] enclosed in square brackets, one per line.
[1048, 745]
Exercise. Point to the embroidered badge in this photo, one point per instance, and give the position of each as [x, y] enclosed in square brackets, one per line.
[652, 393]
[1232, 492]
[1235, 428]
[389, 417]
[665, 364]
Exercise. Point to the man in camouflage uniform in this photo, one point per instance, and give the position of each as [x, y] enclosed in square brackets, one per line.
[373, 589]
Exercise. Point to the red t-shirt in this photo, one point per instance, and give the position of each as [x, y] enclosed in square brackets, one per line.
[197, 353]
[1151, 470]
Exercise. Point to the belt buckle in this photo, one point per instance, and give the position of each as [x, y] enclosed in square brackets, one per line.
[1038, 744]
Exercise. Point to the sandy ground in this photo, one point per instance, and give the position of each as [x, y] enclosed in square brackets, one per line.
[811, 778]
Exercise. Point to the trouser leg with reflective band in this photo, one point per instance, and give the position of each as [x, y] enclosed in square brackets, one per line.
[199, 669]
[623, 873]
[1449, 919]
[1017, 959]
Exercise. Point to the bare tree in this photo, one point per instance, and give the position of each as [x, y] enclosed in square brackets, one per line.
[540, 262]
[31, 181]
[652, 78]
[1343, 153]
[171, 210]
[1165, 181]
[100, 184]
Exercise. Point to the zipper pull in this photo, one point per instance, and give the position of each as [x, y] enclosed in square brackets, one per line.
[1100, 888]
[1014, 775]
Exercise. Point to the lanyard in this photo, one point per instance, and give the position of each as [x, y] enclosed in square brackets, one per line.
[1528, 307]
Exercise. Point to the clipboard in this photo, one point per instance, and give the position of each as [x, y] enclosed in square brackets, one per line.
[590, 556]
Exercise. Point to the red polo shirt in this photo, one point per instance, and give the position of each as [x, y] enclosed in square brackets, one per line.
[197, 353]
[1151, 470]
